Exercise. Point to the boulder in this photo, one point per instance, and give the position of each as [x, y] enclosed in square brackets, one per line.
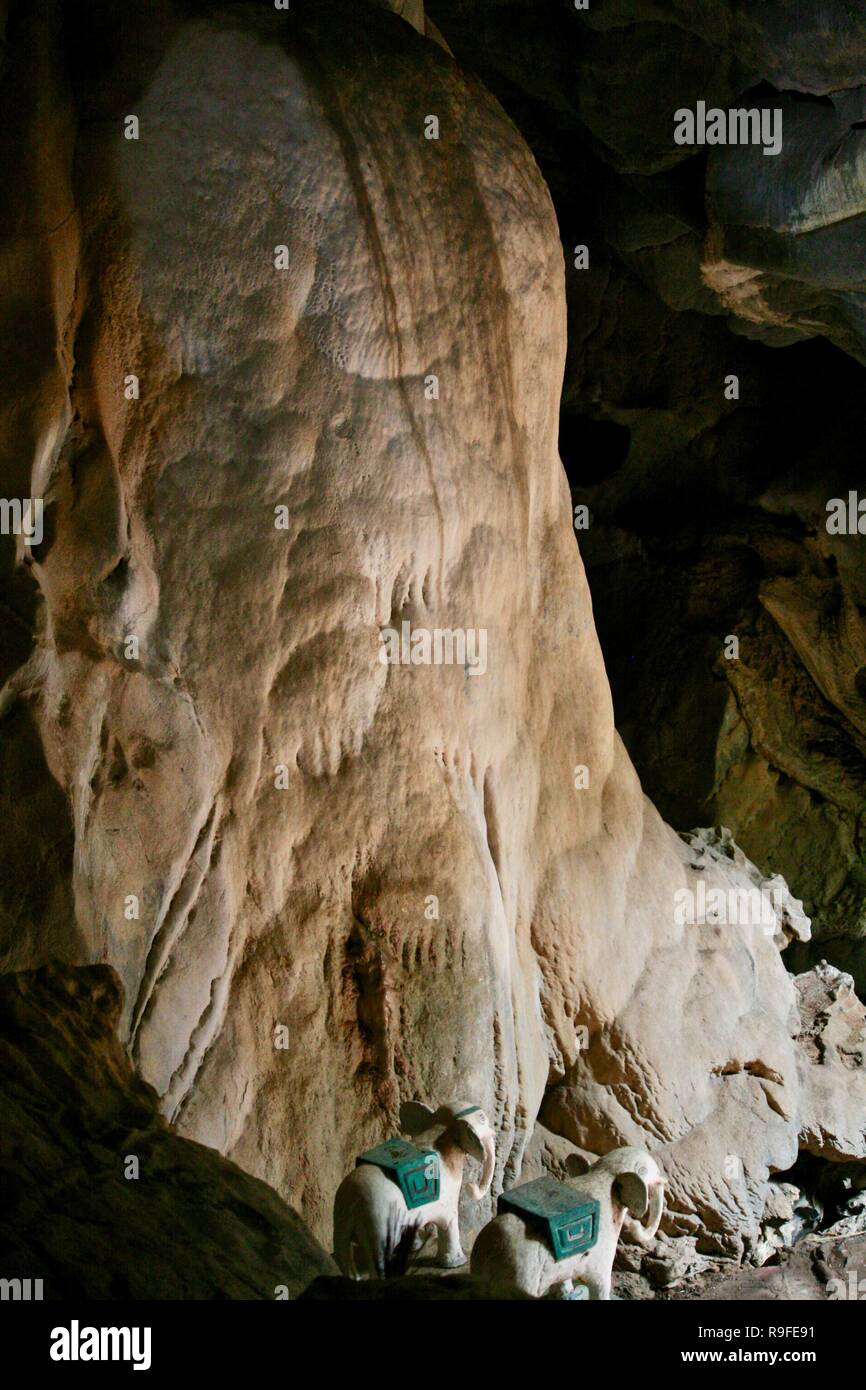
[99, 1197]
[831, 1037]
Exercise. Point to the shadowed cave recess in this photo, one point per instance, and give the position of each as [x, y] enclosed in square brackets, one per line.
[329, 324]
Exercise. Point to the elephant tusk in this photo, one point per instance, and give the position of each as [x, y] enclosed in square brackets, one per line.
[478, 1191]
[649, 1226]
[644, 1231]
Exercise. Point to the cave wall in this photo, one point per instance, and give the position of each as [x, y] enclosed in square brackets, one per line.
[264, 827]
[709, 515]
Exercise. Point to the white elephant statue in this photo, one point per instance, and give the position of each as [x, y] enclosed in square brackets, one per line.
[375, 1231]
[514, 1256]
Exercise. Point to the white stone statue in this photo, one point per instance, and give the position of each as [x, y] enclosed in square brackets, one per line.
[375, 1230]
[515, 1256]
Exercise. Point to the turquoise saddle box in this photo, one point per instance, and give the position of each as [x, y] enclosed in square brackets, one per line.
[568, 1221]
[415, 1171]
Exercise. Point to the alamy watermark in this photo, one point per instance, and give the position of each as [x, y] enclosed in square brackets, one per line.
[853, 1291]
[21, 1290]
[846, 516]
[77, 1343]
[737, 126]
[744, 907]
[438, 646]
[22, 516]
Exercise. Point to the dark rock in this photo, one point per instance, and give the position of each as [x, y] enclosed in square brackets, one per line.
[709, 516]
[190, 1226]
[410, 1288]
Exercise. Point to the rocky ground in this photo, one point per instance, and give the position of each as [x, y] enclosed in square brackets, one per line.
[185, 1223]
[817, 1268]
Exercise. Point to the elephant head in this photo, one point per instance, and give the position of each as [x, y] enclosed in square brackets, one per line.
[462, 1124]
[637, 1189]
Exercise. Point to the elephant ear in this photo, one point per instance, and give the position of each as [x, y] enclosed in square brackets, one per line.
[633, 1193]
[576, 1165]
[415, 1117]
[469, 1139]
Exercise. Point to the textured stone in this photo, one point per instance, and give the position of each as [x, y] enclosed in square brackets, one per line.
[817, 1269]
[832, 1048]
[784, 913]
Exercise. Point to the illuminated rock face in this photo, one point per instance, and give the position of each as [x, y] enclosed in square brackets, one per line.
[310, 350]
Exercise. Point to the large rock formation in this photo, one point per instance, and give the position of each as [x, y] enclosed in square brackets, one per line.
[293, 360]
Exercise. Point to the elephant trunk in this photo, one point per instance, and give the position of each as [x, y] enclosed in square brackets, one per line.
[645, 1231]
[479, 1190]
